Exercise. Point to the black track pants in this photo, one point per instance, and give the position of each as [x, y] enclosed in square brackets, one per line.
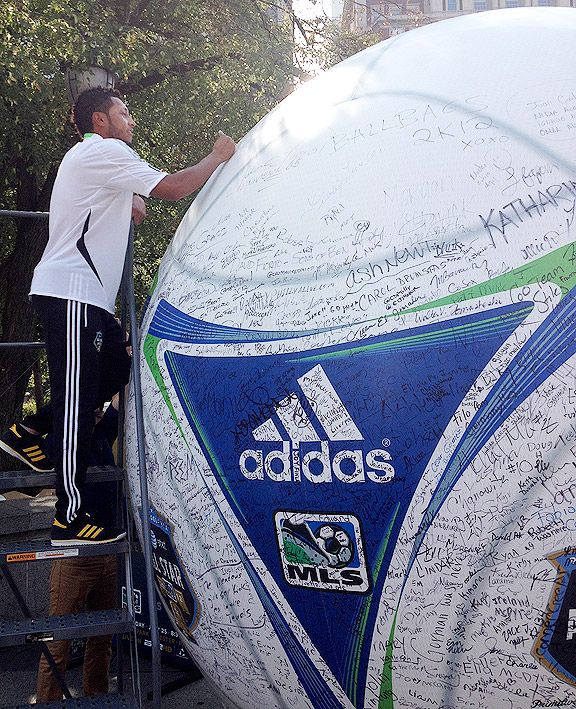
[88, 364]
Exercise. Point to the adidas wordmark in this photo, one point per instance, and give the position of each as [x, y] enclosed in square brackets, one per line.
[318, 466]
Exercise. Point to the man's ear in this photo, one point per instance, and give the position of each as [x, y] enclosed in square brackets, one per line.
[99, 119]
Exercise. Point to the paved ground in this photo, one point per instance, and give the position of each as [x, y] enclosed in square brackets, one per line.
[18, 682]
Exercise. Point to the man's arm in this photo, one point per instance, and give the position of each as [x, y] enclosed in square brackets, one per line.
[184, 182]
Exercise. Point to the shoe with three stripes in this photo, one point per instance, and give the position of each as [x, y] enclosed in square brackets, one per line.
[83, 530]
[27, 447]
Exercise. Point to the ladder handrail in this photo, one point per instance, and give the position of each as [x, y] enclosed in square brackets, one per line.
[19, 214]
[128, 280]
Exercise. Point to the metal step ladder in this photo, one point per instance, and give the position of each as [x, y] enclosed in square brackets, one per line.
[64, 627]
[84, 625]
[28, 630]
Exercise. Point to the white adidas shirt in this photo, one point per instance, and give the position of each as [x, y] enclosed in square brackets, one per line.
[90, 213]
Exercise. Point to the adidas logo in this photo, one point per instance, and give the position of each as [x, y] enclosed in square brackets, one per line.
[307, 455]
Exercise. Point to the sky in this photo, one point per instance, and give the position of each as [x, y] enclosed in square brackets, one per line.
[309, 8]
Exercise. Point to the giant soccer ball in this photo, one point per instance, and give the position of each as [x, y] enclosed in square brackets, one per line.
[359, 384]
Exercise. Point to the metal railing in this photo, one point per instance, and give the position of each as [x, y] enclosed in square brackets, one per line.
[129, 304]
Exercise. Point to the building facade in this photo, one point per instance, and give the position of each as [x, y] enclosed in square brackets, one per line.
[393, 17]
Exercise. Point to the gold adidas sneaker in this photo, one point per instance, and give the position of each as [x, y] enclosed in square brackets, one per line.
[83, 530]
[21, 444]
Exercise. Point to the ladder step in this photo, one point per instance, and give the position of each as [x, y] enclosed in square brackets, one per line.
[42, 550]
[64, 627]
[111, 701]
[13, 479]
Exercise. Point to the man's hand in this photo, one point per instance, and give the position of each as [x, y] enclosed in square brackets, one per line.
[224, 147]
[138, 209]
[185, 182]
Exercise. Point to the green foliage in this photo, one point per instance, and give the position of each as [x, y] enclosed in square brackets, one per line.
[339, 44]
[188, 68]
[322, 42]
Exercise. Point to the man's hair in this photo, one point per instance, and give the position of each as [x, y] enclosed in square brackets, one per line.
[89, 101]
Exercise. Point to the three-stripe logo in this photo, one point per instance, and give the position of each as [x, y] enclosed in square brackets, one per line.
[299, 457]
[90, 531]
[34, 453]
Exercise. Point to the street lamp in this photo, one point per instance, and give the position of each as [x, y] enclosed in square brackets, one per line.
[78, 80]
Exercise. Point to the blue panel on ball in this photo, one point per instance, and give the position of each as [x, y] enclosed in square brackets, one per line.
[314, 451]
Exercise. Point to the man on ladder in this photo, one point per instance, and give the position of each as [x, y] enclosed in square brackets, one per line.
[74, 291]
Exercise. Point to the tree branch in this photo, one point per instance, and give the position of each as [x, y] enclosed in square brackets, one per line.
[157, 77]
